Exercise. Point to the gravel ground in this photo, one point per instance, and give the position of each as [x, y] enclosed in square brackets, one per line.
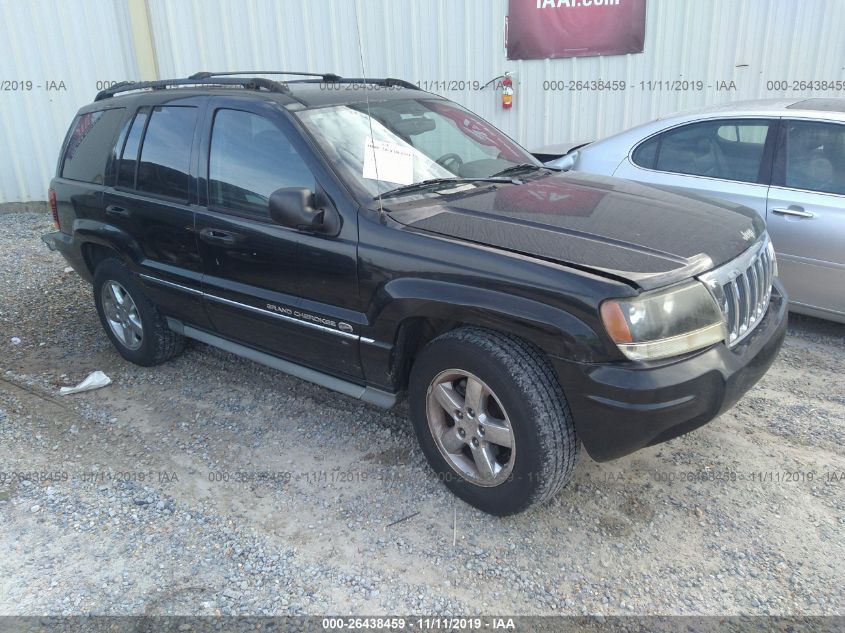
[214, 485]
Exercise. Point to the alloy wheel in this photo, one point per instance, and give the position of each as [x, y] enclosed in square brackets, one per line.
[471, 428]
[122, 315]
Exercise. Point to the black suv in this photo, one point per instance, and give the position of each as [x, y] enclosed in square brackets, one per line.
[380, 240]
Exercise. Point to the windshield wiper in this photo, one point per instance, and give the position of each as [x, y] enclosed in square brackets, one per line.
[522, 167]
[434, 182]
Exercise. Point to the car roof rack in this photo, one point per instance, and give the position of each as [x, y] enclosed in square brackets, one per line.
[205, 78]
[207, 75]
[389, 82]
[251, 83]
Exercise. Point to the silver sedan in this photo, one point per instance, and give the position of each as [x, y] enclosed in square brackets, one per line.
[783, 158]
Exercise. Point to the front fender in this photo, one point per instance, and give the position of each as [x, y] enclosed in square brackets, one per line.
[400, 300]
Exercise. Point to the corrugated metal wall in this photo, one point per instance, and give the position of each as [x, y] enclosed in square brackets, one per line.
[62, 49]
[748, 42]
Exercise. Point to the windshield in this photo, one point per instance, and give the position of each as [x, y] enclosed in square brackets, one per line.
[412, 140]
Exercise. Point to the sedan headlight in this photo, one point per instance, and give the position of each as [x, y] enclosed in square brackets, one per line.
[664, 322]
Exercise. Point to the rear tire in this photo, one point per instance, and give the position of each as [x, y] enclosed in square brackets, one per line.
[492, 420]
[132, 322]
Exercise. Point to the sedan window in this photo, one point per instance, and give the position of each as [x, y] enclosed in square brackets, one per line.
[815, 156]
[727, 149]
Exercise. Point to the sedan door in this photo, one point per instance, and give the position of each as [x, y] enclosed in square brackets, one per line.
[728, 159]
[806, 215]
[273, 288]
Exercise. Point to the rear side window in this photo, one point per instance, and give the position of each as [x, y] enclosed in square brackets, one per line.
[129, 158]
[815, 156]
[727, 149]
[250, 158]
[91, 139]
[163, 168]
[646, 154]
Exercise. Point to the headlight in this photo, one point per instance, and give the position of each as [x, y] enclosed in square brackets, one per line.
[665, 322]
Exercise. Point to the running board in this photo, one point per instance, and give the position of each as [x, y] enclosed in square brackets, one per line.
[369, 395]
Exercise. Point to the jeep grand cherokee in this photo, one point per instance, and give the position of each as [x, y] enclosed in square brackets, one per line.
[384, 242]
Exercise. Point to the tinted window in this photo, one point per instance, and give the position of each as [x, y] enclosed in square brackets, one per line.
[646, 153]
[250, 158]
[91, 140]
[732, 150]
[815, 156]
[166, 152]
[129, 158]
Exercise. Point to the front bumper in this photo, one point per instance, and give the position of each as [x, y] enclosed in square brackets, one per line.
[619, 408]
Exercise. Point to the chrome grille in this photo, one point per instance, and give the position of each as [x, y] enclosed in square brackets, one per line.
[743, 288]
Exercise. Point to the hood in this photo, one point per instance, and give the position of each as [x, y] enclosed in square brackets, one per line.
[644, 235]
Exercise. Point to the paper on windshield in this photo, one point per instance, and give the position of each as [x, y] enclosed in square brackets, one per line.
[388, 161]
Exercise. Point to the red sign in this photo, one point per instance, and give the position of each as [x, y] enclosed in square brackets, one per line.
[541, 29]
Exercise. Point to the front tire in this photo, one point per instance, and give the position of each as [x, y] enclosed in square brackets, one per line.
[132, 322]
[492, 420]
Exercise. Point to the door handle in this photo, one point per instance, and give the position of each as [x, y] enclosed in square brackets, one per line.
[216, 236]
[794, 210]
[116, 210]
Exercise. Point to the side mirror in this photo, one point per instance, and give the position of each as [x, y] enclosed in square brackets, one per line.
[293, 207]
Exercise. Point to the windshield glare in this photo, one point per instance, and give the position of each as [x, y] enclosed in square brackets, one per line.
[412, 140]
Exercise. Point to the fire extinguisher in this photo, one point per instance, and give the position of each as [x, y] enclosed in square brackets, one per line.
[507, 92]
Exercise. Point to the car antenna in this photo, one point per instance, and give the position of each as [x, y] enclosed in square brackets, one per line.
[369, 118]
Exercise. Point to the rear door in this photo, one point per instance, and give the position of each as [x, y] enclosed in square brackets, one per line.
[150, 204]
[273, 288]
[806, 213]
[729, 159]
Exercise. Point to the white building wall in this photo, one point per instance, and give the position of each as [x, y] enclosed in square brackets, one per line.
[748, 42]
[73, 44]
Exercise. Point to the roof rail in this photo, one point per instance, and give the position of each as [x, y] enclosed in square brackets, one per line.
[205, 78]
[206, 74]
[388, 82]
[251, 83]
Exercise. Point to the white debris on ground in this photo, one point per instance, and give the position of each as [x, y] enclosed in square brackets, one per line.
[94, 380]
